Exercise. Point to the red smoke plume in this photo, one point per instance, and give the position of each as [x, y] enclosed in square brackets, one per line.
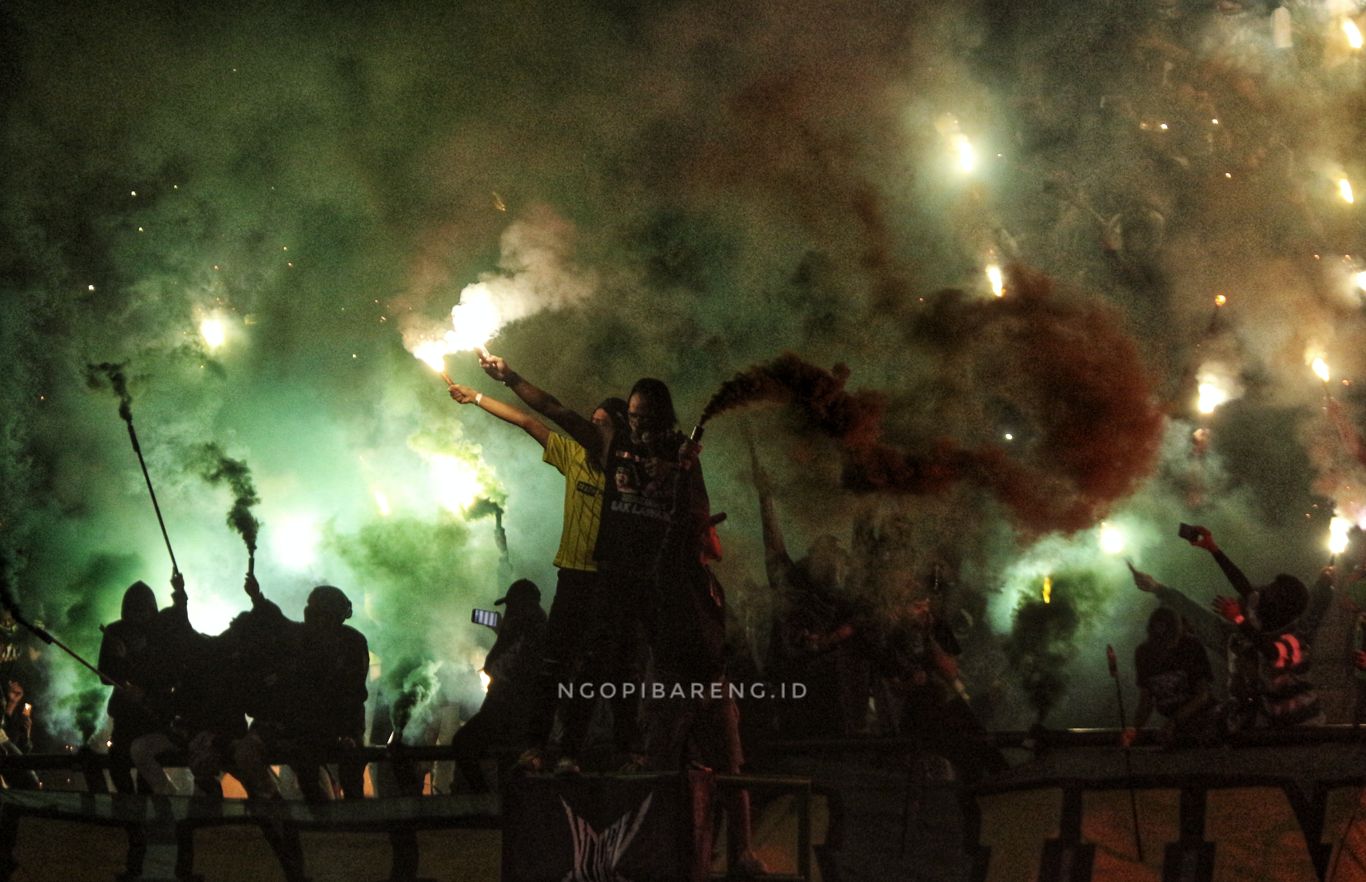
[1072, 368]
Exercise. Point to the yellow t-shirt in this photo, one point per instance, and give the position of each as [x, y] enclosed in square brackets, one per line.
[583, 489]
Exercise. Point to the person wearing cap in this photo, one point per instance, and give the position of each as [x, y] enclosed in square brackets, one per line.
[512, 666]
[570, 621]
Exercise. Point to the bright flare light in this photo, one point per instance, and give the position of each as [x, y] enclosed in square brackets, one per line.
[1220, 300]
[1338, 531]
[1210, 396]
[382, 503]
[966, 153]
[997, 280]
[474, 320]
[211, 614]
[294, 542]
[454, 482]
[433, 352]
[213, 332]
[1047, 589]
[1345, 191]
[484, 681]
[1353, 33]
[1112, 539]
[1320, 368]
[1359, 279]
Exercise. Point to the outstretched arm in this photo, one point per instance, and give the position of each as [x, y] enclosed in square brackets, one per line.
[594, 438]
[1205, 539]
[1206, 625]
[505, 412]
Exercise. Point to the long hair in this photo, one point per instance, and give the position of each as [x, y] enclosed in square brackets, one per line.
[655, 392]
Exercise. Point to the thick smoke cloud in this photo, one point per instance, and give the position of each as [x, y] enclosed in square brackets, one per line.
[253, 208]
[1067, 370]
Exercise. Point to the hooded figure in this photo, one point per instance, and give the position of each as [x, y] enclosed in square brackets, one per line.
[141, 655]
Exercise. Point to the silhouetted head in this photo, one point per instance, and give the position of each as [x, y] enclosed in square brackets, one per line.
[522, 594]
[327, 605]
[650, 409]
[1281, 602]
[139, 603]
[1164, 627]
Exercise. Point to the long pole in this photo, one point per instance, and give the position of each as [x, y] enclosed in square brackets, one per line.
[46, 636]
[1128, 759]
[137, 448]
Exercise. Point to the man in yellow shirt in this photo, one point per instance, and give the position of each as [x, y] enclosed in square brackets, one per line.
[575, 588]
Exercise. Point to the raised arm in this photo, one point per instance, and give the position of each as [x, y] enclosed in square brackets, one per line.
[1206, 625]
[1205, 539]
[594, 438]
[505, 412]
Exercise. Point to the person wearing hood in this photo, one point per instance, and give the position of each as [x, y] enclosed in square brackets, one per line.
[140, 656]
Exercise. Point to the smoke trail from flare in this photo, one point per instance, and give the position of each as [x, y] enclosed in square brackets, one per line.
[218, 468]
[113, 373]
[1070, 365]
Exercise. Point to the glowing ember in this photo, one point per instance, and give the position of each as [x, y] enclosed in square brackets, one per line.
[997, 280]
[213, 332]
[1338, 531]
[1353, 33]
[1345, 191]
[1047, 589]
[1220, 300]
[1112, 539]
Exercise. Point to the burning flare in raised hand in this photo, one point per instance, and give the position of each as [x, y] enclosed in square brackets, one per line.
[474, 320]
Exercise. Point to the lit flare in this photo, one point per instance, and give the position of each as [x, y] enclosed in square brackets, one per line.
[1339, 529]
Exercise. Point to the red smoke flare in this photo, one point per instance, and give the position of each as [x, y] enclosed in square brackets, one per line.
[1071, 367]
